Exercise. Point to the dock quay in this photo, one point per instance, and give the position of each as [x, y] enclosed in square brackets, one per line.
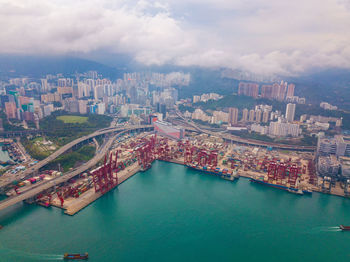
[74, 205]
[130, 153]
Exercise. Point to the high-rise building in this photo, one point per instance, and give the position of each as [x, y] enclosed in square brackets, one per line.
[163, 110]
[245, 115]
[248, 89]
[282, 91]
[44, 86]
[92, 74]
[65, 90]
[251, 115]
[11, 109]
[275, 91]
[233, 115]
[82, 106]
[266, 91]
[265, 117]
[290, 112]
[101, 108]
[71, 105]
[258, 115]
[290, 91]
[303, 118]
[196, 99]
[98, 92]
[83, 90]
[133, 94]
[284, 129]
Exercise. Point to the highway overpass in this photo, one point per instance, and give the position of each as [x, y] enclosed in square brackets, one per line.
[245, 141]
[4, 182]
[37, 189]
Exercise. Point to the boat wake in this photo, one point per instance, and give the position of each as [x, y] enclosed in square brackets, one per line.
[325, 229]
[4, 252]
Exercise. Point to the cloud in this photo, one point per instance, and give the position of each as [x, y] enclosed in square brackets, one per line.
[261, 36]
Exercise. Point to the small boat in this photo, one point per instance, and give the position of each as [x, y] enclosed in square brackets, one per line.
[1, 226]
[344, 228]
[76, 256]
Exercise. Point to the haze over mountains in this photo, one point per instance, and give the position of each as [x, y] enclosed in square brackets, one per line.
[331, 85]
[263, 37]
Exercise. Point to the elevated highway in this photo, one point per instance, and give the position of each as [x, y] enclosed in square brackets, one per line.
[35, 190]
[245, 141]
[4, 182]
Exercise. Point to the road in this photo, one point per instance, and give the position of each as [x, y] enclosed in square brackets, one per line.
[33, 191]
[251, 142]
[5, 181]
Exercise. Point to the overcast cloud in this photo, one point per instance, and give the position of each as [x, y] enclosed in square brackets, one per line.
[261, 36]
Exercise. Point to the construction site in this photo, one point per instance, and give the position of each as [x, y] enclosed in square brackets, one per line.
[132, 153]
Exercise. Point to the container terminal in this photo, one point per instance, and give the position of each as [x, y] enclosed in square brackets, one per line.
[131, 153]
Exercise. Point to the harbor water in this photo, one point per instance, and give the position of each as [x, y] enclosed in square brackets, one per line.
[171, 213]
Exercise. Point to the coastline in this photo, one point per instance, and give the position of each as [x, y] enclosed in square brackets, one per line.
[73, 206]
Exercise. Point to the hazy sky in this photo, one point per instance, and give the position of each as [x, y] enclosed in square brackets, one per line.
[262, 36]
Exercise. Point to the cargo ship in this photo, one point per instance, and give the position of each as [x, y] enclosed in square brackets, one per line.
[344, 228]
[224, 173]
[76, 256]
[286, 188]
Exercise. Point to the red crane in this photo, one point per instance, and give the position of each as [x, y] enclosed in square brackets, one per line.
[293, 175]
[188, 156]
[213, 158]
[60, 197]
[272, 170]
[281, 171]
[105, 178]
[202, 158]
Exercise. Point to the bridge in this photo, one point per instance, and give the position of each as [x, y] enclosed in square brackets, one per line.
[245, 141]
[37, 189]
[65, 148]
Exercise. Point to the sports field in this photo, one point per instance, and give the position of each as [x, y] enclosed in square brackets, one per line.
[73, 119]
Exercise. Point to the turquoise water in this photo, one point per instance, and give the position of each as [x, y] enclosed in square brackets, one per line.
[170, 213]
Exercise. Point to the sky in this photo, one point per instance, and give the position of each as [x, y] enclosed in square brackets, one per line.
[268, 37]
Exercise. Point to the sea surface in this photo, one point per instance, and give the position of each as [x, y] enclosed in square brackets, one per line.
[170, 213]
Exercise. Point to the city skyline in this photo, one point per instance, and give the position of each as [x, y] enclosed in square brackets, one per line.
[262, 37]
[130, 129]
